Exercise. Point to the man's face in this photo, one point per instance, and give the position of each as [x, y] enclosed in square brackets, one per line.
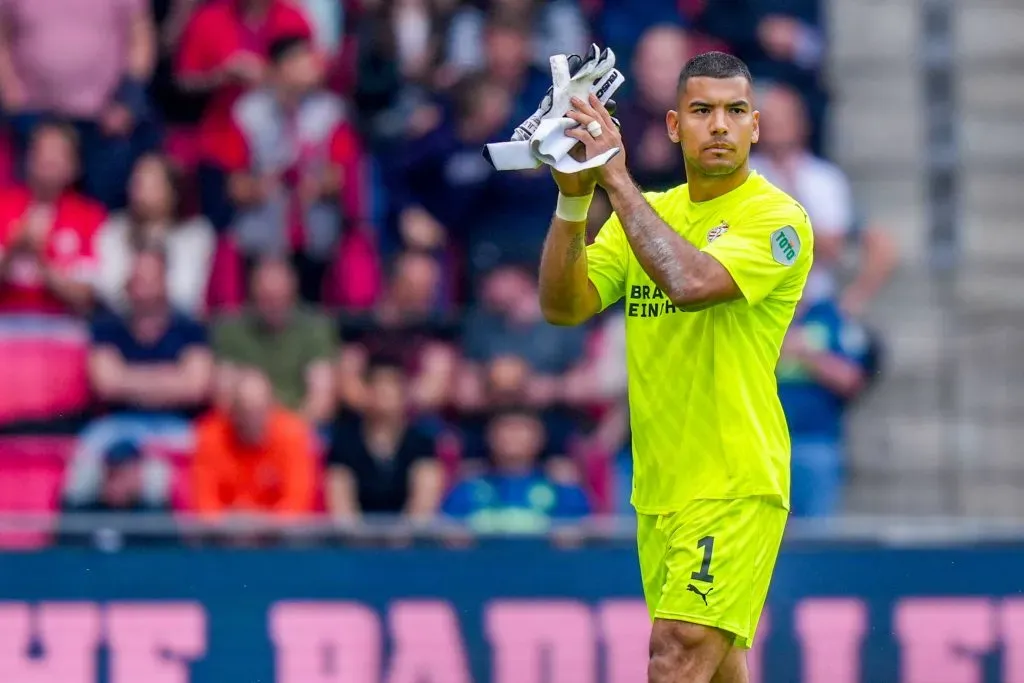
[660, 57]
[490, 111]
[122, 485]
[505, 288]
[515, 441]
[301, 71]
[784, 119]
[715, 124]
[147, 285]
[51, 160]
[416, 282]
[273, 291]
[507, 53]
[387, 392]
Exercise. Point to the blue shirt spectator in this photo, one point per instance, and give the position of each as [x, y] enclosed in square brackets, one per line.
[515, 497]
[826, 362]
[493, 217]
[151, 370]
[166, 348]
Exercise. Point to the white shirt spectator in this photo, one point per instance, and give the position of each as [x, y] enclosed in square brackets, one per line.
[824, 191]
[189, 250]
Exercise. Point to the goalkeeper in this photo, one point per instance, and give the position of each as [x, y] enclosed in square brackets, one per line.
[711, 272]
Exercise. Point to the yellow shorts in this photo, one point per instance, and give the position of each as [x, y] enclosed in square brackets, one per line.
[711, 563]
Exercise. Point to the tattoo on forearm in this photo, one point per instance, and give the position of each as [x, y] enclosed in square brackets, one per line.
[656, 246]
[575, 250]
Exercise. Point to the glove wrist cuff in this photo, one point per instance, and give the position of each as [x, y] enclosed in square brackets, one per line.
[573, 209]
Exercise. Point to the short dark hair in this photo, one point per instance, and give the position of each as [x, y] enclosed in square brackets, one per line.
[714, 65]
[466, 94]
[281, 48]
[59, 126]
[383, 361]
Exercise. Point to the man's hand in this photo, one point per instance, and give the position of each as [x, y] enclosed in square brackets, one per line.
[247, 68]
[614, 172]
[578, 184]
[35, 228]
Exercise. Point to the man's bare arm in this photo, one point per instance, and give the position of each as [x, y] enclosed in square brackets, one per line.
[567, 296]
[691, 279]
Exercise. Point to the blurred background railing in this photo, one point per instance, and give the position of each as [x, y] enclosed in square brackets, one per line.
[942, 433]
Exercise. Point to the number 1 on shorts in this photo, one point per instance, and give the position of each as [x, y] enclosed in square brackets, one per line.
[708, 544]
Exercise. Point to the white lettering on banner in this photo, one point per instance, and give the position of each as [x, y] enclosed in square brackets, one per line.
[51, 643]
[835, 658]
[426, 644]
[543, 640]
[154, 642]
[326, 642]
[942, 640]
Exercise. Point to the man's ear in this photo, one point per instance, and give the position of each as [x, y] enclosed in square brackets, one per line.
[757, 126]
[672, 124]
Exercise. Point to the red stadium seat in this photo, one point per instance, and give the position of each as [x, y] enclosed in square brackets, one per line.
[225, 291]
[31, 476]
[354, 279]
[43, 373]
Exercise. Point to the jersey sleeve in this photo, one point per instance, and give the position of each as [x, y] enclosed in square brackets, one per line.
[766, 250]
[607, 258]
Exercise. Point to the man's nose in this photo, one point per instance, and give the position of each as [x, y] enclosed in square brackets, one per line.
[719, 123]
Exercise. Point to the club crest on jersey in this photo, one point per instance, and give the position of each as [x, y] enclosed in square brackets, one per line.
[717, 231]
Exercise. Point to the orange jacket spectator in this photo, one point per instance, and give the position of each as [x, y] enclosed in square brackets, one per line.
[276, 475]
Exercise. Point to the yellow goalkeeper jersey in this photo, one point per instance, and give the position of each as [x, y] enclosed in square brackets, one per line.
[704, 407]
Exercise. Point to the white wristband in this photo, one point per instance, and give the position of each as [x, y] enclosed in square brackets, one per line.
[573, 209]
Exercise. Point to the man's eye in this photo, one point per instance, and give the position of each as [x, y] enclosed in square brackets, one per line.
[701, 110]
[737, 110]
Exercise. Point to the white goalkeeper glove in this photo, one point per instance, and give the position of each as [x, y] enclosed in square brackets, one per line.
[541, 137]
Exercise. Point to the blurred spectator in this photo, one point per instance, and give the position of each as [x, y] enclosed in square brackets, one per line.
[558, 27]
[655, 161]
[253, 456]
[121, 491]
[515, 497]
[507, 61]
[782, 41]
[292, 345]
[47, 231]
[506, 385]
[87, 63]
[392, 81]
[154, 220]
[151, 368]
[827, 360]
[406, 325]
[451, 195]
[619, 24]
[509, 323]
[121, 488]
[224, 52]
[292, 160]
[446, 163]
[379, 462]
[783, 157]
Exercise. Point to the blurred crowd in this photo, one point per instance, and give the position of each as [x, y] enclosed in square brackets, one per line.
[305, 290]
